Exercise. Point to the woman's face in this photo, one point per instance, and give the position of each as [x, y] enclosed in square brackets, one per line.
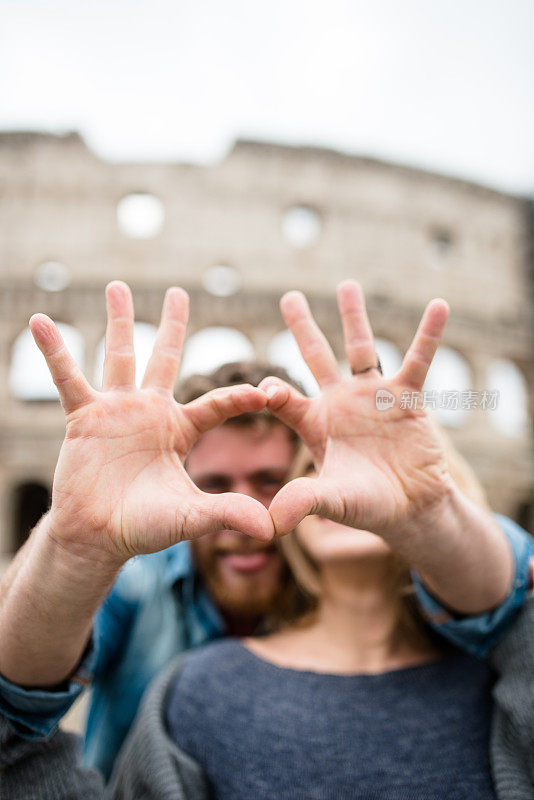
[326, 542]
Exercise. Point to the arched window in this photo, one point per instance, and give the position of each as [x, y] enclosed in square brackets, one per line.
[448, 377]
[30, 501]
[390, 357]
[211, 347]
[509, 413]
[29, 378]
[284, 352]
[144, 338]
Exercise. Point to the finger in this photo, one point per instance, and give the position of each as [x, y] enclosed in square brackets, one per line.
[164, 363]
[358, 335]
[287, 403]
[424, 345]
[215, 407]
[293, 502]
[74, 391]
[312, 343]
[119, 363]
[230, 511]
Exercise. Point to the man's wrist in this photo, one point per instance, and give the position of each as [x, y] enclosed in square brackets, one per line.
[47, 612]
[62, 542]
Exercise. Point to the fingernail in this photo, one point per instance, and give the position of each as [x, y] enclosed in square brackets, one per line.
[270, 391]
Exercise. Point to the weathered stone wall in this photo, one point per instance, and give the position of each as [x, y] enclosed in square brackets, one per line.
[408, 235]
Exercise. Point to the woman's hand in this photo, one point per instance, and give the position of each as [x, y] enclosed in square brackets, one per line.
[377, 469]
[120, 487]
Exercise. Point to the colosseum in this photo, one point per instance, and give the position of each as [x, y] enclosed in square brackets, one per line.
[237, 234]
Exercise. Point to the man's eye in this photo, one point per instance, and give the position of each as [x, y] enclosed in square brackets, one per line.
[271, 484]
[213, 486]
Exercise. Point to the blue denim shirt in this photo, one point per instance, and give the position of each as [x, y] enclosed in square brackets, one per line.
[158, 609]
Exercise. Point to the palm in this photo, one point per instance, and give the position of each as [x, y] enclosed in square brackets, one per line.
[375, 468]
[120, 485]
[118, 463]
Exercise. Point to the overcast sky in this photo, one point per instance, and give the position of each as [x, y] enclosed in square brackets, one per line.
[444, 85]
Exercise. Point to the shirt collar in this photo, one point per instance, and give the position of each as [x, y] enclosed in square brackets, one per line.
[179, 564]
[180, 573]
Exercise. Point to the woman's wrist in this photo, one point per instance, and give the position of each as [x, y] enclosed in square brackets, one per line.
[461, 554]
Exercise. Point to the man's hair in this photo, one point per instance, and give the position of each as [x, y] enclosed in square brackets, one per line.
[231, 374]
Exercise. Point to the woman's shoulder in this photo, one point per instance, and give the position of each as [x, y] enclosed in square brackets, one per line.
[221, 655]
[206, 671]
[213, 688]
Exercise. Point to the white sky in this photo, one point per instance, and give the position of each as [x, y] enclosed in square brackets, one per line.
[444, 85]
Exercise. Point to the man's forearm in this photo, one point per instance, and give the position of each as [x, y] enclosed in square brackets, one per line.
[48, 598]
[461, 554]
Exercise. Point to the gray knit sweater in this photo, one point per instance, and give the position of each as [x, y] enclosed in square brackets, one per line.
[151, 766]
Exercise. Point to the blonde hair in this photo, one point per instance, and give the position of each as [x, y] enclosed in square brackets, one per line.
[411, 623]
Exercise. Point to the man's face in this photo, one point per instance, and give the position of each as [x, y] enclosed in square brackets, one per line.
[242, 575]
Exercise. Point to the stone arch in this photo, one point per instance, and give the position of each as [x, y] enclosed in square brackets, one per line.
[390, 356]
[284, 352]
[510, 416]
[449, 375]
[210, 347]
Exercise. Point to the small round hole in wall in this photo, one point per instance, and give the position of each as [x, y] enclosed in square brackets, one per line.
[52, 276]
[140, 215]
[221, 280]
[441, 248]
[301, 226]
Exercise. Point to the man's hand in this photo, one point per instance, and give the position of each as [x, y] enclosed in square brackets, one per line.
[376, 469]
[120, 487]
[385, 471]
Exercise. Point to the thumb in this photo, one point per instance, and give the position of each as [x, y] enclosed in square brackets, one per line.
[295, 501]
[215, 407]
[232, 511]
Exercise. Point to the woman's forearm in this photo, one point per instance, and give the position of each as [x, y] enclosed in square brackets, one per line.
[461, 554]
